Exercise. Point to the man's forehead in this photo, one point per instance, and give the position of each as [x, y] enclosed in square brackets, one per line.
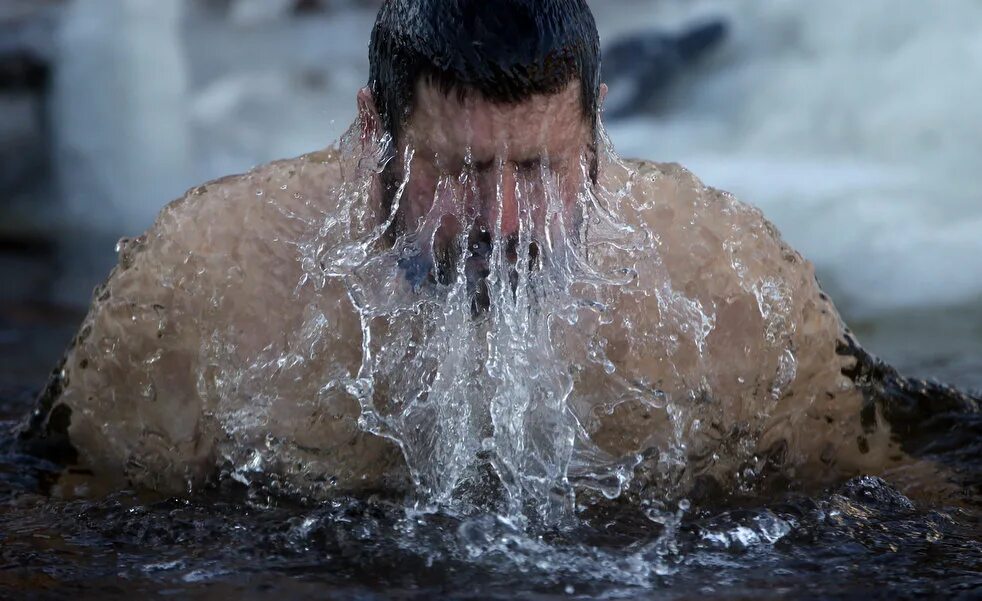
[452, 124]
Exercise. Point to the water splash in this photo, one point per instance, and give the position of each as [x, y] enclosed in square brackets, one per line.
[474, 340]
[521, 338]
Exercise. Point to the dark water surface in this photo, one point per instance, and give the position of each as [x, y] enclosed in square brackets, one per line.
[862, 539]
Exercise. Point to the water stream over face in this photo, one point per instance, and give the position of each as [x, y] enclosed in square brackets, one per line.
[463, 366]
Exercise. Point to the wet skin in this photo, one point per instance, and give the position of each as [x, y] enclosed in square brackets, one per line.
[496, 146]
[169, 381]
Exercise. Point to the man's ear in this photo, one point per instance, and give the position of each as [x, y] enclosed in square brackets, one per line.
[371, 123]
[603, 96]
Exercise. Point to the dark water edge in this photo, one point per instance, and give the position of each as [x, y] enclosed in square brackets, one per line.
[863, 539]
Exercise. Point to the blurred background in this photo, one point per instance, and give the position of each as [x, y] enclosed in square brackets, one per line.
[855, 126]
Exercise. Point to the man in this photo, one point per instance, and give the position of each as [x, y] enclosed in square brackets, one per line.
[472, 278]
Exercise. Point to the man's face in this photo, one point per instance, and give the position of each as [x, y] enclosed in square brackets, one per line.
[498, 166]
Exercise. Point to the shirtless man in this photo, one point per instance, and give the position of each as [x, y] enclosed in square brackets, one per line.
[471, 276]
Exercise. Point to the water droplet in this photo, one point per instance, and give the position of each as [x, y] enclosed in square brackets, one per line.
[360, 388]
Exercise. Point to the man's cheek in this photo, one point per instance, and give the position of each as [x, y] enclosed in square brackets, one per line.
[418, 197]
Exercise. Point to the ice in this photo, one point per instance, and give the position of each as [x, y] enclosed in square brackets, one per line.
[257, 12]
[121, 108]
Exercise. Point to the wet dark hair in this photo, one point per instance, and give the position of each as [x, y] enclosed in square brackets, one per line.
[506, 50]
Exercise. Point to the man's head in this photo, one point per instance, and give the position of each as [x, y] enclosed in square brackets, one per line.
[495, 98]
[505, 51]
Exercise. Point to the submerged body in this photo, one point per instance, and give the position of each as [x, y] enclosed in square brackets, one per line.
[265, 329]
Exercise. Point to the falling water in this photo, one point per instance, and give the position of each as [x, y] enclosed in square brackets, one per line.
[484, 356]
[461, 366]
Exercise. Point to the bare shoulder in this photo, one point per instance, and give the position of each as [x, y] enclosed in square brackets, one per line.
[709, 234]
[737, 324]
[274, 194]
[671, 191]
[229, 234]
[212, 282]
[766, 324]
